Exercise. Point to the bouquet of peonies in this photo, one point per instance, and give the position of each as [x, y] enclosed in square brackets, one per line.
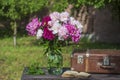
[53, 29]
[56, 25]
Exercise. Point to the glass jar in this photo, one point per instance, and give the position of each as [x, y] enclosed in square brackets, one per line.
[55, 64]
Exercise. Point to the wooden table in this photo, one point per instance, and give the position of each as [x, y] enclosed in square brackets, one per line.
[58, 77]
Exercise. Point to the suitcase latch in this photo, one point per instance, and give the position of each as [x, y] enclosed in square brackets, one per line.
[80, 59]
[106, 61]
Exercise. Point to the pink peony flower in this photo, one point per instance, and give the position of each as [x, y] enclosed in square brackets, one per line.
[47, 34]
[33, 26]
[76, 36]
[73, 32]
[45, 21]
[71, 28]
[72, 21]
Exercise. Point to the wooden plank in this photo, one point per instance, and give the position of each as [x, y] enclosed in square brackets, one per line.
[58, 77]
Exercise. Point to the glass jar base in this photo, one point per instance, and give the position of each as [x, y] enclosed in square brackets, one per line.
[55, 71]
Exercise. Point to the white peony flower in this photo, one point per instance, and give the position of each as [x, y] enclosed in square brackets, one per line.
[64, 16]
[50, 23]
[62, 34]
[72, 21]
[55, 16]
[55, 28]
[39, 33]
[78, 24]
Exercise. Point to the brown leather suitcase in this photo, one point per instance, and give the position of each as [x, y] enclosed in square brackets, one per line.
[96, 61]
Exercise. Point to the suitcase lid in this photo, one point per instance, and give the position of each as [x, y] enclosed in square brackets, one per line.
[95, 53]
[104, 52]
[79, 51]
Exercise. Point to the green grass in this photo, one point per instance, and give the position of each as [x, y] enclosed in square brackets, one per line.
[14, 59]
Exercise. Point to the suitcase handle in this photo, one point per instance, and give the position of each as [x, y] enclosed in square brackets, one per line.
[106, 63]
[111, 66]
[107, 67]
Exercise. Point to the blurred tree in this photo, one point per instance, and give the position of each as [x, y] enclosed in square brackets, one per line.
[57, 5]
[16, 9]
[113, 4]
[60, 5]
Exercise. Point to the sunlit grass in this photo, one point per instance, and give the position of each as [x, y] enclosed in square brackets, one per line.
[14, 59]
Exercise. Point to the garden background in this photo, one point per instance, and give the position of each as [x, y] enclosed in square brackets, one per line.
[100, 20]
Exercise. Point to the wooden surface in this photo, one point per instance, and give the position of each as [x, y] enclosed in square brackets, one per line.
[58, 77]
